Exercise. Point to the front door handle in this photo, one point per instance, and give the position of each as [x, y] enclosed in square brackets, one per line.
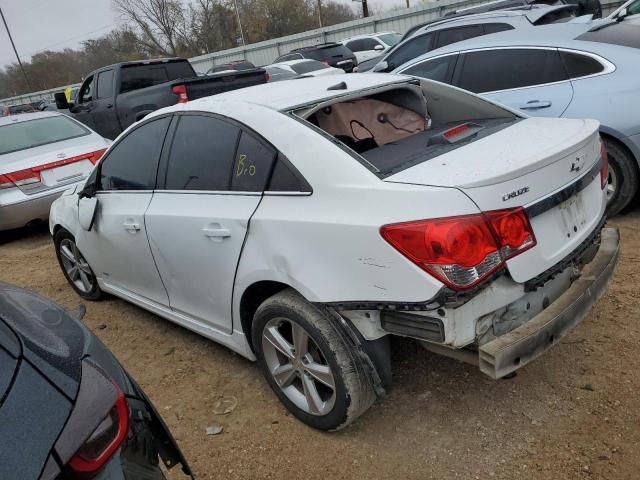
[216, 232]
[131, 227]
[535, 104]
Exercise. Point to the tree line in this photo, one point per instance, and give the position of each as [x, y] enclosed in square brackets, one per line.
[168, 28]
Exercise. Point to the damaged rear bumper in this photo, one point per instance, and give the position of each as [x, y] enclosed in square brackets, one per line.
[520, 346]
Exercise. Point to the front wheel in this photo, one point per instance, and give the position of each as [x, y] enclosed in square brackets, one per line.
[75, 267]
[309, 364]
[622, 182]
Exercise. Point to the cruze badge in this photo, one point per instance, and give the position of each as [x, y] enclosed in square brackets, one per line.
[515, 193]
[577, 164]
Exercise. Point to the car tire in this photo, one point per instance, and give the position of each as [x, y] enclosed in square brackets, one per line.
[324, 384]
[83, 281]
[622, 184]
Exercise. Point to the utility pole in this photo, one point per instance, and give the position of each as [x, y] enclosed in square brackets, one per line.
[320, 13]
[365, 8]
[14, 50]
[235, 2]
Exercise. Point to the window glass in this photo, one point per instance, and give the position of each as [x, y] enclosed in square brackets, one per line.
[496, 27]
[86, 91]
[453, 35]
[355, 46]
[308, 66]
[510, 68]
[439, 69]
[16, 136]
[105, 84]
[201, 155]
[369, 44]
[580, 65]
[134, 77]
[633, 8]
[390, 38]
[132, 163]
[254, 160]
[410, 50]
[286, 179]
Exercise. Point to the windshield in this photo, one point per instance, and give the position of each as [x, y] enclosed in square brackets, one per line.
[309, 66]
[390, 38]
[40, 131]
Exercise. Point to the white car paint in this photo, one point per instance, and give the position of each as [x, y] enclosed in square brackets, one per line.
[160, 247]
[382, 45]
[319, 69]
[20, 205]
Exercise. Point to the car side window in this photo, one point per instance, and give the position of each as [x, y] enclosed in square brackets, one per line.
[202, 154]
[86, 91]
[253, 164]
[368, 44]
[410, 50]
[490, 28]
[439, 69]
[354, 46]
[510, 68]
[133, 162]
[579, 65]
[105, 84]
[458, 34]
[286, 178]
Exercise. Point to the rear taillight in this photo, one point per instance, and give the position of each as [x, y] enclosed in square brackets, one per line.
[604, 169]
[181, 92]
[104, 440]
[463, 251]
[325, 61]
[31, 176]
[266, 76]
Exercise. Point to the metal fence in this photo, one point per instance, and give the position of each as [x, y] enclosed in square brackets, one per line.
[263, 53]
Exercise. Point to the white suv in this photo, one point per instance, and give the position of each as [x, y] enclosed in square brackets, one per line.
[303, 223]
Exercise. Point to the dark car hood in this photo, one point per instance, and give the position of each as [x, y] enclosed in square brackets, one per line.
[51, 340]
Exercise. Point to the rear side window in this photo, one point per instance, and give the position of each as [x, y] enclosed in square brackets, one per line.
[410, 50]
[285, 178]
[105, 84]
[490, 28]
[202, 154]
[326, 53]
[254, 161]
[578, 65]
[510, 68]
[133, 162]
[453, 35]
[439, 69]
[134, 77]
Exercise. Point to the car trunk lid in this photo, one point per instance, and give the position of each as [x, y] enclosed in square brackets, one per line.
[550, 167]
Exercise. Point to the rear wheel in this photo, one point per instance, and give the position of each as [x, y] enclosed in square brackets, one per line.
[75, 267]
[622, 182]
[308, 364]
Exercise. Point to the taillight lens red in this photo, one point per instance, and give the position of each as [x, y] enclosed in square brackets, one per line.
[463, 251]
[604, 169]
[104, 440]
[31, 176]
[266, 76]
[181, 92]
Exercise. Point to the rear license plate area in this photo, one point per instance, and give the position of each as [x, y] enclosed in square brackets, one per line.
[573, 215]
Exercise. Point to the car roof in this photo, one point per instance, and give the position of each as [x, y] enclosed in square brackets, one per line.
[285, 95]
[554, 35]
[317, 45]
[23, 117]
[368, 35]
[294, 62]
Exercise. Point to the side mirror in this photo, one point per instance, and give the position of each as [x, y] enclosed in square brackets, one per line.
[381, 67]
[61, 101]
[378, 47]
[87, 208]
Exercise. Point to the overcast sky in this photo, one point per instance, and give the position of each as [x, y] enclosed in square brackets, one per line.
[38, 25]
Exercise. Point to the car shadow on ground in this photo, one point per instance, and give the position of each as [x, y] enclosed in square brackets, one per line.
[30, 234]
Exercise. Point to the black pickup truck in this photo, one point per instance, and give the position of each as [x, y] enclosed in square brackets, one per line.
[112, 98]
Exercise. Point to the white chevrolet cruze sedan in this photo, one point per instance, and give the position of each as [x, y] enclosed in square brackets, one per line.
[305, 222]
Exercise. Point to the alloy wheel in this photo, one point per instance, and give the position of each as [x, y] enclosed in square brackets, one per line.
[76, 267]
[298, 366]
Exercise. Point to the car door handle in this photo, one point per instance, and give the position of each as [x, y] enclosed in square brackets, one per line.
[218, 232]
[535, 104]
[131, 227]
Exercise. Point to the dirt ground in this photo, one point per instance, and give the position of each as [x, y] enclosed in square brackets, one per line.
[574, 413]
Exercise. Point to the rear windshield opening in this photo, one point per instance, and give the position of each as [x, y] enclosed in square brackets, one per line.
[37, 132]
[396, 129]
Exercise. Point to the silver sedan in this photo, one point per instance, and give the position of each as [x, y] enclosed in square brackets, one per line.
[41, 155]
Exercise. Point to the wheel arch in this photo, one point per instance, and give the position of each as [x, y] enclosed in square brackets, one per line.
[622, 140]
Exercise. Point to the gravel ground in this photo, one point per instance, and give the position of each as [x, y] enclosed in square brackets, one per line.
[574, 413]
